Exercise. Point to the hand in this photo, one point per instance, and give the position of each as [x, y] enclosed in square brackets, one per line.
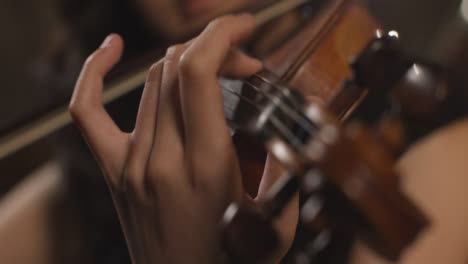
[172, 177]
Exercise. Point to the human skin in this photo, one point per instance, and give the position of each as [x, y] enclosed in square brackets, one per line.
[169, 192]
[172, 178]
[174, 19]
[435, 176]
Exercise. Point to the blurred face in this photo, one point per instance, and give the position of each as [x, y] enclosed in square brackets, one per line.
[176, 19]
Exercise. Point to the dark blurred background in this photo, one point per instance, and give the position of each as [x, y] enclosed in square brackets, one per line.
[55, 206]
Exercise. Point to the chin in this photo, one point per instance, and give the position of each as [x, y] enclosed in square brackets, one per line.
[175, 23]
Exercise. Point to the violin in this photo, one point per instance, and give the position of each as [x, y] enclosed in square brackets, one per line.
[340, 148]
[333, 105]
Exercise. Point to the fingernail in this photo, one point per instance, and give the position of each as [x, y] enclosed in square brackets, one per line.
[107, 42]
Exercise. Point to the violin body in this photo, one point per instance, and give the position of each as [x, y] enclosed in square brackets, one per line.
[330, 62]
[314, 61]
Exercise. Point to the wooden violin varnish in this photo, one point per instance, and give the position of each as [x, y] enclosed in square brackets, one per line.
[329, 61]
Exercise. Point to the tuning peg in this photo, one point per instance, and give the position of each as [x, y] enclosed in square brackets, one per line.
[425, 84]
[312, 248]
[247, 231]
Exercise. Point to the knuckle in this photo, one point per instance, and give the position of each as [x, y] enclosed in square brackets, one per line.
[76, 109]
[90, 61]
[73, 109]
[190, 65]
[153, 72]
[173, 53]
[80, 109]
[78, 106]
[154, 68]
[220, 22]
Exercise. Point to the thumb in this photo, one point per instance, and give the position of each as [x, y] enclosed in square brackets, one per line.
[103, 136]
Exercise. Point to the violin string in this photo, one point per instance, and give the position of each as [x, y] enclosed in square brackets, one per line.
[302, 122]
[276, 122]
[298, 117]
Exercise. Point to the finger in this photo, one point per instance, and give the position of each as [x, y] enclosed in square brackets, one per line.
[105, 139]
[239, 65]
[143, 135]
[167, 155]
[272, 172]
[287, 222]
[201, 98]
